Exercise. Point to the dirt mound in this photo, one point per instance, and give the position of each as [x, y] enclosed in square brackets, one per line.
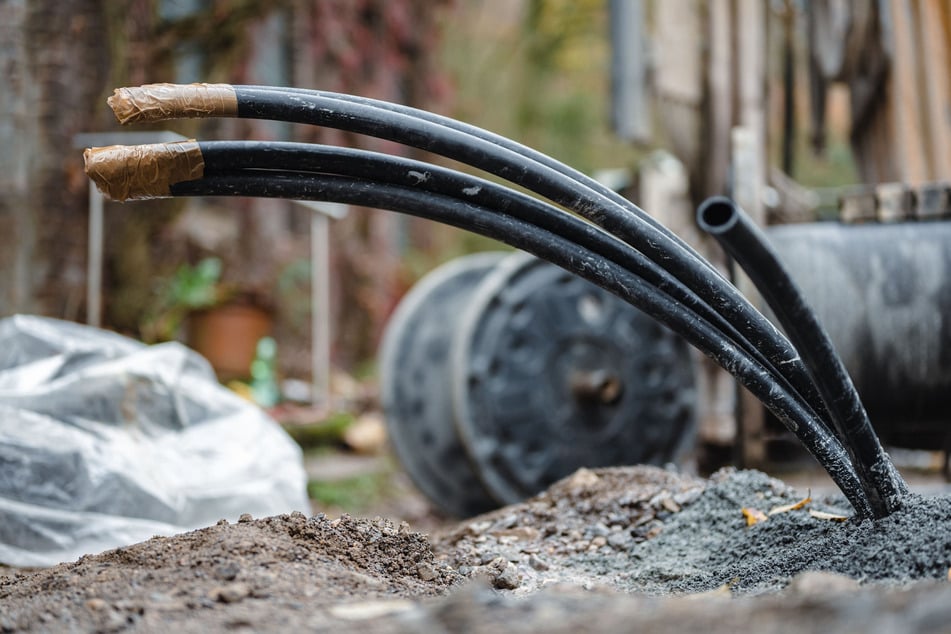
[602, 550]
[222, 576]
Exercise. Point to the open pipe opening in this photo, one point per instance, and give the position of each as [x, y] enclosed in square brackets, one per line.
[749, 247]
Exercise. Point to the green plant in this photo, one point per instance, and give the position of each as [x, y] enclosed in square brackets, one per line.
[192, 287]
[351, 495]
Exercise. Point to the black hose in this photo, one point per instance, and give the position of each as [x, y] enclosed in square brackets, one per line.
[546, 177]
[491, 153]
[749, 247]
[562, 252]
[302, 157]
[501, 141]
[658, 245]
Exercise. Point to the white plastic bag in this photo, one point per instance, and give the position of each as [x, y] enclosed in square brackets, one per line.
[105, 442]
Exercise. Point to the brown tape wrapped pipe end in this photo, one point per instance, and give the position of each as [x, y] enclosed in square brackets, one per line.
[158, 102]
[139, 172]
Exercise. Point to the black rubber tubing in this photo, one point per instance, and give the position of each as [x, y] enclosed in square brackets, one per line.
[534, 171]
[304, 157]
[740, 237]
[546, 177]
[463, 214]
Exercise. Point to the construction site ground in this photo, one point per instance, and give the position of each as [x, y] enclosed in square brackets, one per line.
[620, 549]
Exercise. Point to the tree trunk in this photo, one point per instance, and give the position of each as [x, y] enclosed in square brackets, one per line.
[49, 99]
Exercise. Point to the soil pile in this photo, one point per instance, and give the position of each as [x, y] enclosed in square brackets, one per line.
[603, 550]
[640, 529]
[265, 574]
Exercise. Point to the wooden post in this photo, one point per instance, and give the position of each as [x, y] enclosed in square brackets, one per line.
[935, 41]
[747, 188]
[719, 120]
[906, 131]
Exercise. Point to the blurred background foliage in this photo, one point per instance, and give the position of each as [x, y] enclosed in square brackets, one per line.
[537, 71]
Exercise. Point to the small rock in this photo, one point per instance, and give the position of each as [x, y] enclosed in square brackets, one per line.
[538, 563]
[231, 593]
[227, 572]
[426, 572]
[96, 604]
[599, 530]
[508, 578]
[582, 479]
[816, 583]
[221, 522]
[599, 541]
[245, 518]
[670, 505]
[654, 531]
[688, 496]
[518, 533]
[489, 558]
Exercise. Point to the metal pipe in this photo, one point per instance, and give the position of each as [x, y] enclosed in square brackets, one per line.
[94, 263]
[749, 247]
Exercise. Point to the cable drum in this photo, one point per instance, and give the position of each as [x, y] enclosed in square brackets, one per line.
[416, 388]
[502, 374]
[551, 373]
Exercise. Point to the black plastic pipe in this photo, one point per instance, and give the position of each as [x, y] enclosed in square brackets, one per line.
[170, 101]
[518, 164]
[748, 246]
[824, 447]
[303, 157]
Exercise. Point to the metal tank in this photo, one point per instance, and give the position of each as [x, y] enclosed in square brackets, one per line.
[883, 292]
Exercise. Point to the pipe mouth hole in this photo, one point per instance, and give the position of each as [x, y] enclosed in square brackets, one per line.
[717, 214]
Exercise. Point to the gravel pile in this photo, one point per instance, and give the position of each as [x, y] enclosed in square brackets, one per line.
[602, 550]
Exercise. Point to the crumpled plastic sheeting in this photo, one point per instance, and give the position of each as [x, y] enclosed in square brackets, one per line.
[105, 442]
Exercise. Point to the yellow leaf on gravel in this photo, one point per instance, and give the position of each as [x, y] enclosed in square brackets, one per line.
[753, 516]
[795, 506]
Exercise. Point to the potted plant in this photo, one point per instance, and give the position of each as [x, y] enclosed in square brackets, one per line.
[220, 321]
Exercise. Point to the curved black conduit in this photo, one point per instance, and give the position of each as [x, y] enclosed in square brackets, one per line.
[304, 157]
[577, 259]
[503, 142]
[748, 246]
[175, 101]
[482, 151]
[548, 178]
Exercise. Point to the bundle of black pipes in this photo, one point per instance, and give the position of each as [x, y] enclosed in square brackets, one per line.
[621, 249]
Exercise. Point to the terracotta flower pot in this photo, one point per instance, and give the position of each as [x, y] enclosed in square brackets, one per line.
[227, 336]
